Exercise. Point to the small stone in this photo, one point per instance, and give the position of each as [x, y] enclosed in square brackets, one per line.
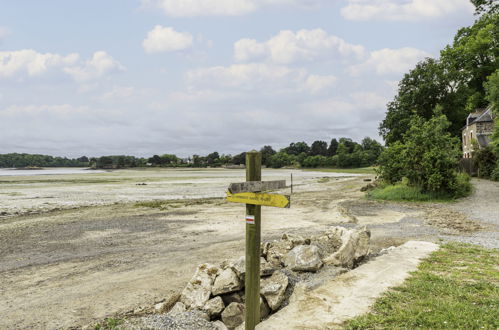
[198, 290]
[178, 308]
[304, 258]
[274, 288]
[160, 307]
[231, 297]
[233, 315]
[226, 282]
[266, 268]
[239, 267]
[219, 325]
[214, 307]
[264, 309]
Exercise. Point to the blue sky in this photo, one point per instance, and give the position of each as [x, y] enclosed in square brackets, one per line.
[196, 76]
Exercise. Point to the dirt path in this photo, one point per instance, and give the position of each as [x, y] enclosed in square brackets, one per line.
[71, 268]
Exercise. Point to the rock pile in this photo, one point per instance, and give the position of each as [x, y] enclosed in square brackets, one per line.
[217, 291]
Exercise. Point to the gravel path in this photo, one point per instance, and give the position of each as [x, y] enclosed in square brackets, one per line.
[483, 207]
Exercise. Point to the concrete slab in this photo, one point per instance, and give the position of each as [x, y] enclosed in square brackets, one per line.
[350, 294]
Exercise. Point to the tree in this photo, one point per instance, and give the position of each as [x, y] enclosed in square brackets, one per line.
[372, 149]
[492, 92]
[281, 159]
[333, 146]
[297, 148]
[455, 82]
[239, 159]
[267, 153]
[485, 6]
[427, 156]
[318, 148]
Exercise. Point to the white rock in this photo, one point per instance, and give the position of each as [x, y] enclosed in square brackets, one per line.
[354, 245]
[304, 258]
[178, 308]
[214, 307]
[273, 289]
[233, 315]
[219, 325]
[226, 282]
[198, 290]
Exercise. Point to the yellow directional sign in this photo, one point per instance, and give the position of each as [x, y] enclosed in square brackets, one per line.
[260, 199]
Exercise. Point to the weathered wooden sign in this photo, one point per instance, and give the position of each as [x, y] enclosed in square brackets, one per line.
[250, 193]
[260, 199]
[256, 186]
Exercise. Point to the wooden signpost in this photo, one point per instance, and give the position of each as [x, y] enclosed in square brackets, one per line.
[250, 193]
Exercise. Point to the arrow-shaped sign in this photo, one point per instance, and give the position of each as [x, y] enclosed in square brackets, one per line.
[256, 186]
[260, 199]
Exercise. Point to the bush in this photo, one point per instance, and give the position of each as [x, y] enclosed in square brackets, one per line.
[486, 162]
[427, 156]
[495, 173]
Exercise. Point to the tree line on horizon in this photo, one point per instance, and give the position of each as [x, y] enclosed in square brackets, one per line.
[343, 153]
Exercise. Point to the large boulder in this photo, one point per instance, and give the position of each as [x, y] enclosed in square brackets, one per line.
[214, 307]
[233, 315]
[276, 251]
[354, 246]
[226, 282]
[304, 258]
[198, 290]
[273, 289]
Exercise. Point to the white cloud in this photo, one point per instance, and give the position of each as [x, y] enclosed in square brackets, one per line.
[192, 8]
[390, 61]
[118, 93]
[261, 77]
[407, 10]
[301, 46]
[32, 63]
[98, 66]
[166, 39]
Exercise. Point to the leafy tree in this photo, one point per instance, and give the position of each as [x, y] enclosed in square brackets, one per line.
[267, 153]
[318, 148]
[492, 88]
[281, 159]
[372, 149]
[427, 156]
[333, 146]
[348, 143]
[485, 6]
[239, 159]
[297, 148]
[455, 82]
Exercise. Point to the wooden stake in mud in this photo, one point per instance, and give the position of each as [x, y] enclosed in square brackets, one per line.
[253, 237]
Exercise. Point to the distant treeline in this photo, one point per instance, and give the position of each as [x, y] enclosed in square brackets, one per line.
[338, 153]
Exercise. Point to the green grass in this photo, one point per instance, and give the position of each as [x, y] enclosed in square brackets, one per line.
[361, 170]
[403, 192]
[457, 287]
[109, 324]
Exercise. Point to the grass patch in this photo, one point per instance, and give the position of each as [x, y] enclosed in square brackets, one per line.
[361, 170]
[403, 192]
[109, 324]
[457, 287]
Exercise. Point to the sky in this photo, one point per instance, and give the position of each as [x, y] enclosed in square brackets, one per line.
[144, 77]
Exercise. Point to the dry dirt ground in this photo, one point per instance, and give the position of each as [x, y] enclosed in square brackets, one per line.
[71, 267]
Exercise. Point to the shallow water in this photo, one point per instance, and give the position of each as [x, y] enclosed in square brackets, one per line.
[48, 171]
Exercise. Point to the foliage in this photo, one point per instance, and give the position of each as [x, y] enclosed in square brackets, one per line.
[281, 159]
[485, 161]
[484, 6]
[318, 148]
[267, 153]
[427, 156]
[455, 82]
[333, 146]
[29, 160]
[455, 288]
[492, 90]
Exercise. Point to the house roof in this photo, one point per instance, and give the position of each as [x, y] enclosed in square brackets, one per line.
[479, 115]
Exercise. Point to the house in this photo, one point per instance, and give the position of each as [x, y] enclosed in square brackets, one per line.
[478, 131]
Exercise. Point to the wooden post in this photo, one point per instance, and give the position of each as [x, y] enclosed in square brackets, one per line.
[252, 277]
